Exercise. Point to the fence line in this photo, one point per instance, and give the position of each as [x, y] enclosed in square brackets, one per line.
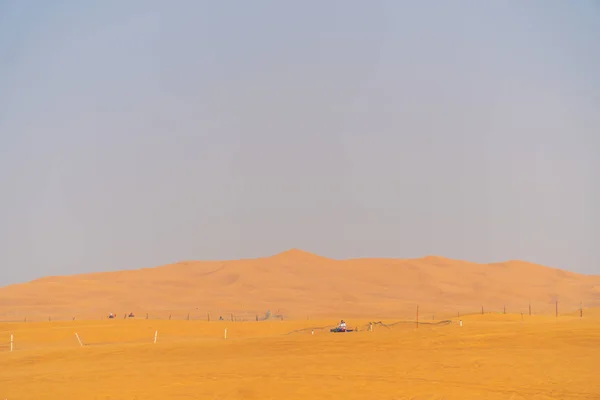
[420, 313]
[91, 334]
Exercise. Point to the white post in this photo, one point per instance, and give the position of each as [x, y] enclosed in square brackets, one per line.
[155, 336]
[79, 340]
[11, 342]
[460, 322]
[313, 332]
[225, 334]
[371, 326]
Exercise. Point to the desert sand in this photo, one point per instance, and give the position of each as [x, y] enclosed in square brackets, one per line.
[301, 285]
[492, 356]
[503, 353]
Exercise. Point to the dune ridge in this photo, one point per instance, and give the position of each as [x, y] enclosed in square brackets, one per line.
[300, 285]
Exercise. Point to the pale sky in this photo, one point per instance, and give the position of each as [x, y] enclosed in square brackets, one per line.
[139, 133]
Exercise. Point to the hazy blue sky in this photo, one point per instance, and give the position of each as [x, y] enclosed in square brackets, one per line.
[138, 133]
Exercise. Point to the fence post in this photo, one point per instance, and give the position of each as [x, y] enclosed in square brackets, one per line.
[417, 315]
[11, 342]
[481, 310]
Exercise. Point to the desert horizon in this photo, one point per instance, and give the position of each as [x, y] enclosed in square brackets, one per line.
[444, 156]
[298, 284]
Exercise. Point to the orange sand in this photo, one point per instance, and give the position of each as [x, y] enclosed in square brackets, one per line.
[491, 357]
[301, 285]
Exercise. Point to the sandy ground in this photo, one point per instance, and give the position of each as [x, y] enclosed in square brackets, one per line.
[490, 357]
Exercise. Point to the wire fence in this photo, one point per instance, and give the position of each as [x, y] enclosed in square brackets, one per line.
[97, 335]
[405, 311]
[176, 315]
[166, 327]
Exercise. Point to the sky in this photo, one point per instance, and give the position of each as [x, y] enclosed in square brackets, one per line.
[139, 133]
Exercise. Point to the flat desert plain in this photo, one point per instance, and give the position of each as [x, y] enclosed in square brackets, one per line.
[491, 356]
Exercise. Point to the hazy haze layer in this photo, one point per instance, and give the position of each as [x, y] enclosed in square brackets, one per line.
[142, 133]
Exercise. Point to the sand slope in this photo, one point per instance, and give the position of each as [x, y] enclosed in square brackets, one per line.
[302, 285]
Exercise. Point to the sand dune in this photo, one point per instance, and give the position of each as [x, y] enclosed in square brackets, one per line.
[492, 355]
[302, 285]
